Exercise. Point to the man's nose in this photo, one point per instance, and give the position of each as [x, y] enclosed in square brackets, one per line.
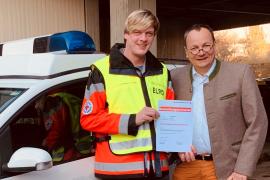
[143, 37]
[201, 52]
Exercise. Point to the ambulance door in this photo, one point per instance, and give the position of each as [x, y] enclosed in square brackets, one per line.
[27, 130]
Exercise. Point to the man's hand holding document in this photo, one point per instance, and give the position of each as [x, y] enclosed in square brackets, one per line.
[174, 127]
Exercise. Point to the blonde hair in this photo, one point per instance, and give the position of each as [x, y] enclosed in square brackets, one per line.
[141, 19]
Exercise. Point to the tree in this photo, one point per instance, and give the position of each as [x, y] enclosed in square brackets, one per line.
[226, 45]
[255, 46]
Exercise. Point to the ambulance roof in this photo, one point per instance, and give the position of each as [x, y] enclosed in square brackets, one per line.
[47, 56]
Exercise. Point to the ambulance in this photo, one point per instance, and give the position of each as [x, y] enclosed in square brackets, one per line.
[29, 69]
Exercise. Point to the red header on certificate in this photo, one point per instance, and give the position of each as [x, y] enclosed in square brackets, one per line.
[174, 109]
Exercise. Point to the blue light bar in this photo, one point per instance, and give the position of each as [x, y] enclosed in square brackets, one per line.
[72, 41]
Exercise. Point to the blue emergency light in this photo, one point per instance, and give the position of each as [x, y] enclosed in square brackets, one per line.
[71, 41]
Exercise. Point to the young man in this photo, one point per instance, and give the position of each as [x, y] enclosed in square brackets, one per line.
[120, 104]
[230, 122]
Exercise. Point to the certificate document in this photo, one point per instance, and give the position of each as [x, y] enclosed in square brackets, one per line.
[174, 128]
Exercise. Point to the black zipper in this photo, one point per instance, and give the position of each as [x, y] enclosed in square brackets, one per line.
[151, 124]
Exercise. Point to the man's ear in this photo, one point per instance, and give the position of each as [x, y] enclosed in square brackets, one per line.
[214, 47]
[125, 36]
[186, 52]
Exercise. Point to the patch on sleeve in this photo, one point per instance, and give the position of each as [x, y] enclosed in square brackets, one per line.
[88, 107]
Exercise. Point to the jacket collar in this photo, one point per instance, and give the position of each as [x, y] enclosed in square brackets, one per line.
[119, 64]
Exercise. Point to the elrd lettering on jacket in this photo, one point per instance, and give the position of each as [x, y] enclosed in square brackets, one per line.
[158, 91]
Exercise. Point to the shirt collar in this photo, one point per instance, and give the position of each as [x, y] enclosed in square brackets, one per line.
[195, 73]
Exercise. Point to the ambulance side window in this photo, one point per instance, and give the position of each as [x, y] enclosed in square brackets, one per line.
[29, 129]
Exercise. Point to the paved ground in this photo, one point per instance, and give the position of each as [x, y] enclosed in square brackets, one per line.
[263, 167]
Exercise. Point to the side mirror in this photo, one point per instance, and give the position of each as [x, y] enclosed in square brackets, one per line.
[28, 159]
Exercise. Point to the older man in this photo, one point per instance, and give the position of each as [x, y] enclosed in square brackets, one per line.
[230, 122]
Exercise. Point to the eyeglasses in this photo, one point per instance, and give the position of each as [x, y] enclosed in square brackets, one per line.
[205, 48]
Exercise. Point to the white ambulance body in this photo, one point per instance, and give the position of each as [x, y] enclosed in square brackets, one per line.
[30, 69]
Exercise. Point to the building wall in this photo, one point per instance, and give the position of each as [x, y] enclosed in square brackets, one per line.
[26, 18]
[92, 21]
[170, 40]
